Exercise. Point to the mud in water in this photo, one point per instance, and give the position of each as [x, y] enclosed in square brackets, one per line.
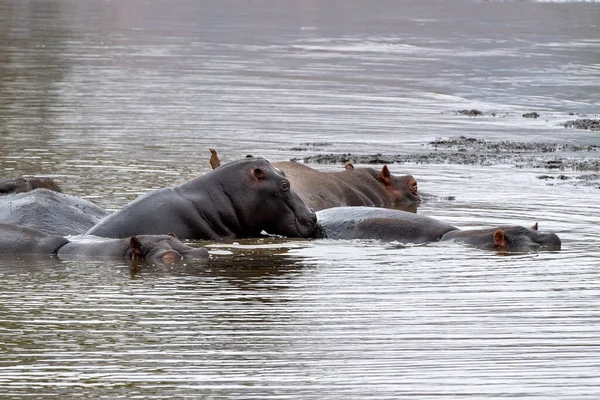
[584, 123]
[470, 151]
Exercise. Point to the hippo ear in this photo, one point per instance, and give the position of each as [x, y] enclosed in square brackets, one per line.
[349, 166]
[499, 238]
[534, 226]
[258, 173]
[172, 235]
[136, 247]
[385, 176]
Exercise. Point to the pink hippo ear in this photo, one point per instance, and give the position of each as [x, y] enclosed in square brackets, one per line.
[534, 226]
[499, 239]
[349, 166]
[258, 173]
[172, 235]
[385, 176]
[136, 248]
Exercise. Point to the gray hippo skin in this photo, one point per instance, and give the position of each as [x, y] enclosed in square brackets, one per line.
[50, 212]
[406, 227]
[351, 187]
[19, 240]
[238, 199]
[22, 184]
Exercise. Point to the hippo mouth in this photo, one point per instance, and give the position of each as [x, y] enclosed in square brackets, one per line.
[305, 227]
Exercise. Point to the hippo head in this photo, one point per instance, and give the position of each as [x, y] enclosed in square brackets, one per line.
[507, 238]
[402, 189]
[166, 249]
[263, 199]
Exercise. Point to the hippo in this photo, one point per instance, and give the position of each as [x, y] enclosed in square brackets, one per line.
[19, 240]
[351, 187]
[50, 212]
[22, 184]
[239, 199]
[407, 227]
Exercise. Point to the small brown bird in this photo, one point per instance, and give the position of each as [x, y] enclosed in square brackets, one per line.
[214, 159]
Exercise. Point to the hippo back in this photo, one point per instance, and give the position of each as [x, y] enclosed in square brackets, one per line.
[50, 212]
[238, 199]
[379, 223]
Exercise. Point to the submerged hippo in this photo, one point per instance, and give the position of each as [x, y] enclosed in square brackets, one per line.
[351, 187]
[19, 240]
[406, 227]
[238, 199]
[22, 184]
[50, 212]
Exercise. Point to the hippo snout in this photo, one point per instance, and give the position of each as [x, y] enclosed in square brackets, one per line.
[307, 225]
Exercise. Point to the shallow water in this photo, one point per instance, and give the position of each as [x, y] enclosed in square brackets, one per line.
[113, 99]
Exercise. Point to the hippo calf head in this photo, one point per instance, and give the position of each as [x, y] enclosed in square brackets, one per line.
[507, 238]
[401, 189]
[166, 249]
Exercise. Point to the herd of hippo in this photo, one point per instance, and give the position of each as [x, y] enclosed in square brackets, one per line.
[244, 198]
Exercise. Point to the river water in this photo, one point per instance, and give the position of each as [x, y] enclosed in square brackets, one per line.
[114, 98]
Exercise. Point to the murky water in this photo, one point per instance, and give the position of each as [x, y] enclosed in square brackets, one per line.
[115, 98]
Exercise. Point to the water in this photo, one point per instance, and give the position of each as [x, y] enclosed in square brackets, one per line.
[113, 99]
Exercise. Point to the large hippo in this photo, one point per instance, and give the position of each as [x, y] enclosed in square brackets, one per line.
[22, 184]
[19, 240]
[351, 187]
[50, 212]
[239, 199]
[406, 227]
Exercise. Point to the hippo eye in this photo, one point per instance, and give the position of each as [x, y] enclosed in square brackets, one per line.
[284, 186]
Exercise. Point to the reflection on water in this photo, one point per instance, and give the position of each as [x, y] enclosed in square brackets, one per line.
[113, 99]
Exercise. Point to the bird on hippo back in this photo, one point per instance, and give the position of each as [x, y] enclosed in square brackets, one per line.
[405, 227]
[238, 199]
[18, 240]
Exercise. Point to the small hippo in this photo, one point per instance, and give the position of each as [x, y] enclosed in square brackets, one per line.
[50, 212]
[22, 184]
[350, 187]
[19, 240]
[238, 199]
[406, 227]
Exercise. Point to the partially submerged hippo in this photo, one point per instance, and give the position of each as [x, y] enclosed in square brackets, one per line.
[22, 184]
[50, 212]
[406, 227]
[19, 240]
[239, 199]
[351, 187]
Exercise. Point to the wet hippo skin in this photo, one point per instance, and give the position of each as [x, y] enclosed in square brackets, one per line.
[50, 212]
[238, 199]
[351, 187]
[406, 227]
[19, 240]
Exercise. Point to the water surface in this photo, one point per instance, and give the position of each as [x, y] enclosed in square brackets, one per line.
[113, 99]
